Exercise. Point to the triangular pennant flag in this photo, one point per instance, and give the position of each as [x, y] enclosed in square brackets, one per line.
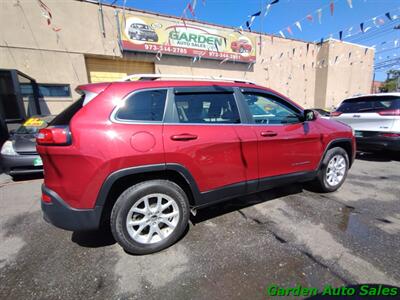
[362, 27]
[275, 1]
[256, 14]
[159, 55]
[366, 29]
[381, 21]
[298, 25]
[309, 18]
[340, 35]
[289, 30]
[319, 13]
[350, 2]
[395, 43]
[190, 8]
[388, 16]
[267, 9]
[332, 7]
[224, 61]
[194, 3]
[281, 33]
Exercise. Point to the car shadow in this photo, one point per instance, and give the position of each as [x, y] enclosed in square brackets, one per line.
[93, 239]
[17, 178]
[103, 237]
[382, 156]
[236, 204]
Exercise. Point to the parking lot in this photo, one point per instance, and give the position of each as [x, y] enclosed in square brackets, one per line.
[233, 250]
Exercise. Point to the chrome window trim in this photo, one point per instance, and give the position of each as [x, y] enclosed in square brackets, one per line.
[171, 97]
[137, 122]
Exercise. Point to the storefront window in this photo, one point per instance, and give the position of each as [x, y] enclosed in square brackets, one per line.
[47, 90]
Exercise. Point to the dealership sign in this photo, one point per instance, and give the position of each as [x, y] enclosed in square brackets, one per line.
[140, 33]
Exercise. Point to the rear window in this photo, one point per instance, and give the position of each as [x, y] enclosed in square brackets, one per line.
[143, 106]
[66, 115]
[369, 104]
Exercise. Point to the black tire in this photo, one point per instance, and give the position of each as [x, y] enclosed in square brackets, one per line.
[321, 183]
[133, 194]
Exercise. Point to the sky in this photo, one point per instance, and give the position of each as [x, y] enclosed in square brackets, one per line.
[286, 12]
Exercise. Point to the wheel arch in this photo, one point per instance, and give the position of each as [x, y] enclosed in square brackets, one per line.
[120, 180]
[345, 143]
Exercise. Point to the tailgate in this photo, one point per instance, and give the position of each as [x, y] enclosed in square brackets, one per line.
[367, 121]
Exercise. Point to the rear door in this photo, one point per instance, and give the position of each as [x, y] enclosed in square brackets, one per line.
[200, 135]
[285, 143]
[372, 113]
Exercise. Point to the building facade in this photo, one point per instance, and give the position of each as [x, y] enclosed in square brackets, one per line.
[88, 42]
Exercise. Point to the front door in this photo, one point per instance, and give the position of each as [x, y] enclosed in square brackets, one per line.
[285, 144]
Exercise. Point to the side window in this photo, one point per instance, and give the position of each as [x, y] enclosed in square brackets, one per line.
[268, 109]
[207, 108]
[143, 106]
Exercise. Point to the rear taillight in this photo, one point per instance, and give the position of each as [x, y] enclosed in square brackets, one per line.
[390, 134]
[335, 114]
[46, 198]
[58, 136]
[394, 112]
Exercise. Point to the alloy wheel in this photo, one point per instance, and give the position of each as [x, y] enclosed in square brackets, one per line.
[152, 218]
[335, 170]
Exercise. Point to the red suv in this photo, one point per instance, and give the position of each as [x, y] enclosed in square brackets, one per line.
[139, 156]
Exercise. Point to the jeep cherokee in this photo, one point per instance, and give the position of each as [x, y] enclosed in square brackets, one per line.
[139, 156]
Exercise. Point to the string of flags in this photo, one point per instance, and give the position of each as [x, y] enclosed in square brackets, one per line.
[252, 17]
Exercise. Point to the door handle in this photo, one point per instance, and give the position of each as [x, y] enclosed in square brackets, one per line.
[183, 137]
[268, 133]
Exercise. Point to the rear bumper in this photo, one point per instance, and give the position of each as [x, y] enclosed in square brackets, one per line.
[378, 143]
[20, 164]
[61, 215]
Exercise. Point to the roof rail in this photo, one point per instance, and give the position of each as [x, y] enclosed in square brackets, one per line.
[143, 77]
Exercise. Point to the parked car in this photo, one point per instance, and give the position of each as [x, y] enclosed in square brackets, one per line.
[142, 32]
[140, 156]
[323, 112]
[18, 154]
[241, 46]
[375, 119]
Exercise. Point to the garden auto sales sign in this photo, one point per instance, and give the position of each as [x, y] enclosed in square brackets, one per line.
[163, 36]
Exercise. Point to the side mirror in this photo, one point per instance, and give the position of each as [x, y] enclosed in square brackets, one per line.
[309, 115]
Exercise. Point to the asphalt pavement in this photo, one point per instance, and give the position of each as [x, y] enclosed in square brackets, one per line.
[233, 250]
